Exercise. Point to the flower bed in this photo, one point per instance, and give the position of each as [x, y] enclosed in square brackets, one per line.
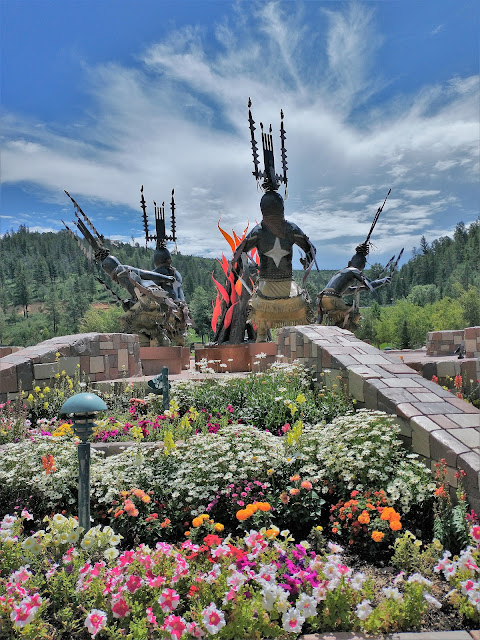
[244, 499]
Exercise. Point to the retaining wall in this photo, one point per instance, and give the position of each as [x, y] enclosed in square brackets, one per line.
[433, 422]
[441, 343]
[100, 356]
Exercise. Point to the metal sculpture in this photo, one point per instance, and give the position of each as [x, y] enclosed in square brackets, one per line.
[156, 308]
[351, 280]
[277, 300]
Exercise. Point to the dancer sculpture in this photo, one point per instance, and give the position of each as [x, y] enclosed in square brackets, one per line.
[277, 299]
[155, 308]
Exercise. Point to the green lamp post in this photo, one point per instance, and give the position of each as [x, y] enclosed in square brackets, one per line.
[83, 407]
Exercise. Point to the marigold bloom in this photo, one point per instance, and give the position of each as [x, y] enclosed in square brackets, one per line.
[218, 527]
[251, 508]
[387, 513]
[377, 536]
[364, 517]
[197, 522]
[395, 525]
[271, 533]
[243, 514]
[263, 506]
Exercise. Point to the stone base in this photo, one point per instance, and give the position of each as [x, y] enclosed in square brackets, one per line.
[155, 358]
[237, 357]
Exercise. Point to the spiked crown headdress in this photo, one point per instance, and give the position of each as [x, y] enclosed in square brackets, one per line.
[271, 179]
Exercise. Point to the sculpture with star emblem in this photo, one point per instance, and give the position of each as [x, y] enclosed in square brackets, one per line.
[277, 299]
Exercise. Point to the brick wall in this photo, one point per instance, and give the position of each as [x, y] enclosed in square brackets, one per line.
[100, 356]
[441, 343]
[434, 423]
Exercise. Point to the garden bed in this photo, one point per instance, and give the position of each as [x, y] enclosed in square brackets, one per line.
[269, 507]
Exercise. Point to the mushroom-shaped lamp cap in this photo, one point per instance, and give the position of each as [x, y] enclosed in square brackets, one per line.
[83, 404]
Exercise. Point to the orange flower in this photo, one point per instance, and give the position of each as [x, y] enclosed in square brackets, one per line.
[369, 506]
[243, 514]
[271, 533]
[334, 530]
[377, 536]
[364, 518]
[48, 464]
[294, 492]
[395, 525]
[146, 499]
[387, 513]
[165, 523]
[218, 527]
[440, 492]
[187, 533]
[197, 522]
[138, 493]
[306, 484]
[251, 508]
[263, 506]
[394, 516]
[284, 499]
[295, 478]
[118, 513]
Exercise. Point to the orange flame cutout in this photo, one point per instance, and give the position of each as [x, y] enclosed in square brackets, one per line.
[222, 290]
[233, 294]
[216, 312]
[228, 316]
[224, 264]
[227, 237]
[238, 287]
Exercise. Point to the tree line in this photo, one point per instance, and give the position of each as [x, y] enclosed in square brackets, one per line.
[48, 287]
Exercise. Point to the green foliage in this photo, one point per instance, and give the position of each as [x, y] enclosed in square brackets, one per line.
[450, 525]
[411, 555]
[101, 320]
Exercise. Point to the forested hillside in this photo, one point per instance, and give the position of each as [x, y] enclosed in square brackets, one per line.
[47, 288]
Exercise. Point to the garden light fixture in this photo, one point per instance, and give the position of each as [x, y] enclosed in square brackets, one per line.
[82, 408]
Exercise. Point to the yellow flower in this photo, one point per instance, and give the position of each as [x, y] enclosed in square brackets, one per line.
[46, 389]
[37, 389]
[301, 398]
[45, 405]
[30, 398]
[218, 527]
[197, 522]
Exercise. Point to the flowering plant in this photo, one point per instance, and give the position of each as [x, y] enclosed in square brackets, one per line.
[365, 521]
[254, 586]
[463, 573]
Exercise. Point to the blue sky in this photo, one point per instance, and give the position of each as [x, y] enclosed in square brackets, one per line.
[101, 96]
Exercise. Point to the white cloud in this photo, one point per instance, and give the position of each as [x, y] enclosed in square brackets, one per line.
[179, 119]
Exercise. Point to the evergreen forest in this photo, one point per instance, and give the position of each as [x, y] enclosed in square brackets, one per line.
[49, 288]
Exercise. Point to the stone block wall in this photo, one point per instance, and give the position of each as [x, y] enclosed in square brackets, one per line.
[442, 343]
[434, 423]
[472, 342]
[100, 356]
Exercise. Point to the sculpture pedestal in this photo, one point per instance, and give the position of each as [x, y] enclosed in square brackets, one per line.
[237, 357]
[154, 358]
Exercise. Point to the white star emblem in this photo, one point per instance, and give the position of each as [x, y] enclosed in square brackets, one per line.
[277, 253]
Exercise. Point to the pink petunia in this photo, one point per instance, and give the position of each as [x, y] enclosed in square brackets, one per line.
[168, 600]
[96, 621]
[213, 618]
[175, 625]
